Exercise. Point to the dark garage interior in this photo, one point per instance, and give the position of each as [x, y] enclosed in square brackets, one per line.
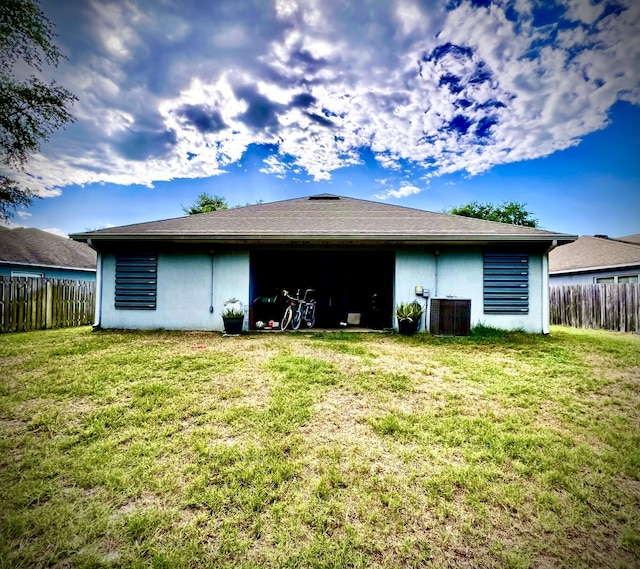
[359, 282]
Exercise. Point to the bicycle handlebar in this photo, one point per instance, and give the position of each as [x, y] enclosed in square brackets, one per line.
[297, 299]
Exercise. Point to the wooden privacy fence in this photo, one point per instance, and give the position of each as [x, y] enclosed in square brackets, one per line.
[35, 304]
[608, 306]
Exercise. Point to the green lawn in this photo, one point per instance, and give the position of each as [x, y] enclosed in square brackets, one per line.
[171, 449]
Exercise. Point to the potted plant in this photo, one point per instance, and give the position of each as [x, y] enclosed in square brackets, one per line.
[233, 316]
[409, 315]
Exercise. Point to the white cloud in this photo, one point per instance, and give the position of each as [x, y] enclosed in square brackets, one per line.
[102, 225]
[167, 94]
[23, 214]
[56, 231]
[406, 189]
[586, 12]
[10, 224]
[274, 166]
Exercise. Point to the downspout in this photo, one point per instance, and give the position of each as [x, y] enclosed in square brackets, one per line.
[434, 294]
[98, 301]
[211, 291]
[545, 287]
[436, 254]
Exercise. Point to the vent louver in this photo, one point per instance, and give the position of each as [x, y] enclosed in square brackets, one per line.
[324, 197]
[506, 283]
[136, 282]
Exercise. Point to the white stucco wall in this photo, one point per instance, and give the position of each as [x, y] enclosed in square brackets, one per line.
[184, 288]
[413, 268]
[231, 280]
[459, 274]
[183, 292]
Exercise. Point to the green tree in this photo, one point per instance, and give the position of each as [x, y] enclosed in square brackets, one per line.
[12, 196]
[506, 212]
[30, 109]
[205, 203]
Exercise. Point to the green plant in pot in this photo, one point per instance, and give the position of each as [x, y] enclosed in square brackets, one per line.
[233, 316]
[409, 315]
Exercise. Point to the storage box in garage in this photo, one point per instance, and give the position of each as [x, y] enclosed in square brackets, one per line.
[353, 318]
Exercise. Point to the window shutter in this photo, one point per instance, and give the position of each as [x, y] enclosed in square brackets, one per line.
[136, 282]
[506, 283]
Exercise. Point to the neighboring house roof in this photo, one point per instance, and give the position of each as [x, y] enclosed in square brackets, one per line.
[635, 239]
[29, 246]
[593, 253]
[324, 217]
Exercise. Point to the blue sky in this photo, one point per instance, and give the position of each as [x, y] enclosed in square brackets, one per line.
[419, 103]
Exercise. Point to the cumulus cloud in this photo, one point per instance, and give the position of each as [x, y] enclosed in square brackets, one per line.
[181, 90]
[405, 189]
[273, 165]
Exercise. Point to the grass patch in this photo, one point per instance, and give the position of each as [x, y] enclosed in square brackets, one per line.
[176, 449]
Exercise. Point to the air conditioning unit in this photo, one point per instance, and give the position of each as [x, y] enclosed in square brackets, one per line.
[450, 316]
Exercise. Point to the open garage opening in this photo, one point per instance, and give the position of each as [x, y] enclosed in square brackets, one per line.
[356, 283]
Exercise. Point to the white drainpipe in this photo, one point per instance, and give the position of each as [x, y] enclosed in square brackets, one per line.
[545, 287]
[98, 299]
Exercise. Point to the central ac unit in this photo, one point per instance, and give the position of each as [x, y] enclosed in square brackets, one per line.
[450, 316]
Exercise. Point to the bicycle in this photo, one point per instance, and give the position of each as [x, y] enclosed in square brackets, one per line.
[299, 310]
[287, 315]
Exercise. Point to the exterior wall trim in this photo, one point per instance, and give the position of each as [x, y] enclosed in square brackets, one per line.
[41, 266]
[630, 266]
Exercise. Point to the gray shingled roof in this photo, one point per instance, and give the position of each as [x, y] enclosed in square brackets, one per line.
[324, 217]
[36, 247]
[635, 238]
[591, 253]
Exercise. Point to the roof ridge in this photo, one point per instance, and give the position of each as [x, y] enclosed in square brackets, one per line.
[613, 241]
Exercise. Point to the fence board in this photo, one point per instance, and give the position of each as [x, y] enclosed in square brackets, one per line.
[609, 306]
[36, 304]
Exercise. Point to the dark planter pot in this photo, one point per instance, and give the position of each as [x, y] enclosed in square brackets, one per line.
[233, 325]
[407, 327]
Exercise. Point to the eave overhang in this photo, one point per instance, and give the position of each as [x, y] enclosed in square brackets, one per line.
[43, 266]
[96, 239]
[624, 266]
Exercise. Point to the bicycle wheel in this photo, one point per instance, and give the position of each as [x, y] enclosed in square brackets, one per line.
[311, 320]
[297, 318]
[286, 318]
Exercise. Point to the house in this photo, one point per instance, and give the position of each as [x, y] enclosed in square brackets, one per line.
[33, 253]
[361, 257]
[596, 259]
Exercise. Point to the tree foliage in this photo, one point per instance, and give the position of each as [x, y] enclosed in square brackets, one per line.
[205, 203]
[30, 109]
[506, 212]
[12, 196]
